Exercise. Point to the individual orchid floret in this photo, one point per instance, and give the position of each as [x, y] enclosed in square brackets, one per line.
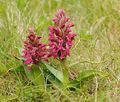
[61, 36]
[34, 51]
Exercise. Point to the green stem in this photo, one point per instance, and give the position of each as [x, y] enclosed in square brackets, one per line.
[65, 72]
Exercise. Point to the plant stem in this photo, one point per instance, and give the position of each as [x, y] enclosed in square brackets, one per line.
[65, 72]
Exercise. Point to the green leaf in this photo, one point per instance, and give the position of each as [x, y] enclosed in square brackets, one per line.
[51, 78]
[19, 68]
[56, 73]
[74, 84]
[85, 75]
[35, 75]
[90, 73]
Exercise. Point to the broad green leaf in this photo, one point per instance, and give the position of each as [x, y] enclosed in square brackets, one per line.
[51, 78]
[19, 69]
[74, 84]
[85, 75]
[90, 73]
[35, 75]
[56, 73]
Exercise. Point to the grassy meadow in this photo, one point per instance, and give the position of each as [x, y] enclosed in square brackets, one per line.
[96, 47]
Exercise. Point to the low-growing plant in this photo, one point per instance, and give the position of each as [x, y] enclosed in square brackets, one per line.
[37, 56]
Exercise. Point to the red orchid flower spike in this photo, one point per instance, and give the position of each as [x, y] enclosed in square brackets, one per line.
[61, 36]
[34, 51]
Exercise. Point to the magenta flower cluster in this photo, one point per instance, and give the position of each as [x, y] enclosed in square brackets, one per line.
[61, 36]
[34, 50]
[60, 41]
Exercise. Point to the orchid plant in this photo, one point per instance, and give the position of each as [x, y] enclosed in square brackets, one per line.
[60, 42]
[36, 55]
